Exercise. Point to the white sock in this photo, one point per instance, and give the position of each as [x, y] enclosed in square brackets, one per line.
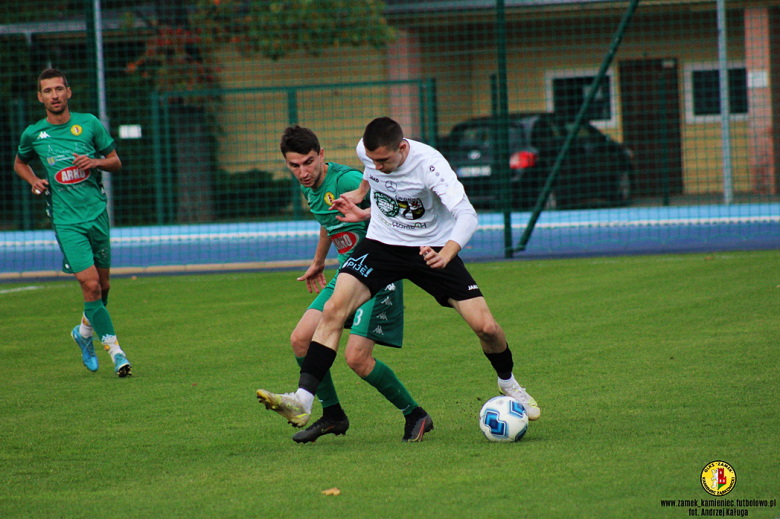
[111, 345]
[306, 398]
[85, 328]
[507, 383]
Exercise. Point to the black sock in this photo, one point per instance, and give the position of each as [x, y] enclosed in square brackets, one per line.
[317, 362]
[334, 412]
[502, 363]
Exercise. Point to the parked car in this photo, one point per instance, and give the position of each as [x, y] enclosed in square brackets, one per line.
[597, 170]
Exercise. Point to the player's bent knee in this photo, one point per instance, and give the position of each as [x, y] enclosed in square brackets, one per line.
[91, 290]
[299, 342]
[358, 362]
[488, 330]
[334, 313]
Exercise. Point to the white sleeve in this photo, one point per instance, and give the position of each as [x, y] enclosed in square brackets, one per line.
[442, 180]
[450, 191]
[465, 222]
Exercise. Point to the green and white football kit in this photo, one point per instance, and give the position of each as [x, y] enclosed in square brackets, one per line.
[381, 318]
[76, 205]
[75, 200]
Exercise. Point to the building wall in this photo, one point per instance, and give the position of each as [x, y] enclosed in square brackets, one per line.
[460, 53]
[252, 123]
[540, 49]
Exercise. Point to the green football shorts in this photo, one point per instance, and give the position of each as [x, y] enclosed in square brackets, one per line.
[85, 244]
[380, 319]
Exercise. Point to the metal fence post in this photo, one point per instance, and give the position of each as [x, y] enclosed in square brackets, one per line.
[292, 118]
[159, 180]
[501, 150]
[621, 30]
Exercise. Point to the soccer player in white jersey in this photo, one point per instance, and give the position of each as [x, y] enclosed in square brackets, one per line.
[421, 218]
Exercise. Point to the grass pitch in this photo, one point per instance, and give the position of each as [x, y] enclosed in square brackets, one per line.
[646, 369]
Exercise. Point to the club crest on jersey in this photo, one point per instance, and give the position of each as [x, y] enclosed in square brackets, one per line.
[329, 198]
[76, 130]
[71, 175]
[386, 204]
[51, 161]
[344, 241]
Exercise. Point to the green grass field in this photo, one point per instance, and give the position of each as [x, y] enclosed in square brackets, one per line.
[645, 368]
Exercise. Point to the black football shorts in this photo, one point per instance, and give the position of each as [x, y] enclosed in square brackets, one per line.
[377, 265]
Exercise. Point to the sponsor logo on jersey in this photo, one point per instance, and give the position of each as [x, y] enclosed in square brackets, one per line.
[390, 287]
[473, 287]
[391, 186]
[356, 265]
[51, 160]
[411, 208]
[382, 316]
[76, 130]
[71, 175]
[344, 241]
[329, 198]
[409, 227]
[43, 135]
[386, 301]
[378, 330]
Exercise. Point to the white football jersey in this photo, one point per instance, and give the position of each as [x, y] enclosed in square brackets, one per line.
[410, 206]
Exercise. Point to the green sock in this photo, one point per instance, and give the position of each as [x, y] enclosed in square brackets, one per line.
[100, 319]
[326, 391]
[385, 381]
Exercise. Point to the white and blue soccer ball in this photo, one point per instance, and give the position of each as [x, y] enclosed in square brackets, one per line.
[503, 419]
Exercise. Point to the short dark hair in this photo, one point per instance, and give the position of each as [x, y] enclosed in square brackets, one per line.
[51, 73]
[298, 139]
[382, 131]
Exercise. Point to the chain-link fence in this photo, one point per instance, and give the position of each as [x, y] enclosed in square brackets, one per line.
[677, 149]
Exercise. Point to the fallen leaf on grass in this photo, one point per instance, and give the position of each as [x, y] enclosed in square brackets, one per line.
[332, 492]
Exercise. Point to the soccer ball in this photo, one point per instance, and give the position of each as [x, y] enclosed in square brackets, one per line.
[503, 419]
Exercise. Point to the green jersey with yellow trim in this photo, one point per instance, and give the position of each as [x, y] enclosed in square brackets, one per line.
[74, 195]
[338, 180]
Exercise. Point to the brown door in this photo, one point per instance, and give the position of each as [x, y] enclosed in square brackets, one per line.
[651, 125]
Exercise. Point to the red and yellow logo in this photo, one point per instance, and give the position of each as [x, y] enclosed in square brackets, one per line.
[329, 198]
[76, 130]
[718, 478]
[344, 241]
[71, 175]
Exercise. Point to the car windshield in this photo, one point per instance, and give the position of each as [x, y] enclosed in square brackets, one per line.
[478, 137]
[475, 137]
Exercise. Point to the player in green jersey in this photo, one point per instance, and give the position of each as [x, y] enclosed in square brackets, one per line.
[69, 146]
[380, 320]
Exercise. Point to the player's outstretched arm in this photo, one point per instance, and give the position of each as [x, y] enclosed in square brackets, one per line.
[315, 273]
[357, 195]
[349, 211]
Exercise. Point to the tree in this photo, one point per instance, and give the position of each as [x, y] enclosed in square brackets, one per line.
[178, 58]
